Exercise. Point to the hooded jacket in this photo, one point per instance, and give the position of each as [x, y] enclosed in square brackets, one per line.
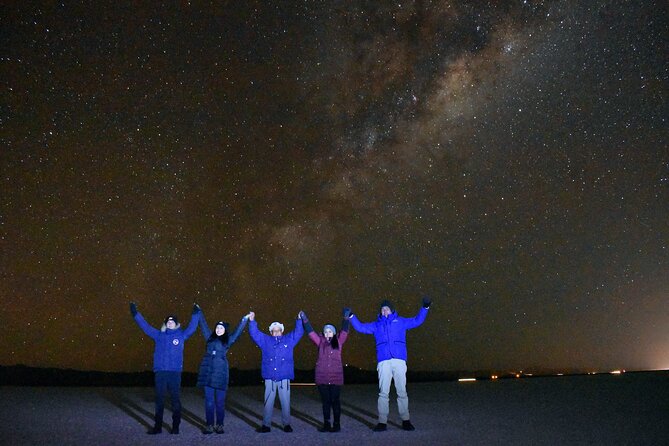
[277, 351]
[214, 369]
[168, 354]
[390, 333]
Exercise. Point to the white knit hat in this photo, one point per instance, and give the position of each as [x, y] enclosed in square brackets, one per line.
[274, 325]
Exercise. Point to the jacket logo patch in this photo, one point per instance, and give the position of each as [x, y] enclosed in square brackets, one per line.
[175, 341]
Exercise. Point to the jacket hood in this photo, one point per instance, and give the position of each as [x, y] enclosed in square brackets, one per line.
[164, 328]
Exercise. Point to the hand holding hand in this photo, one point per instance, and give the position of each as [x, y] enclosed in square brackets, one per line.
[427, 301]
[347, 313]
[196, 309]
[303, 316]
[133, 308]
[252, 316]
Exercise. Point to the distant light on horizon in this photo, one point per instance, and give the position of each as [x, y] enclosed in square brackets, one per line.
[466, 380]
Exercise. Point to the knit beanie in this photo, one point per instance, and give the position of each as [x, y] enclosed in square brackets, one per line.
[331, 327]
[171, 317]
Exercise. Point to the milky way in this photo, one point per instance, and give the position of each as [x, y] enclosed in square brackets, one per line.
[511, 161]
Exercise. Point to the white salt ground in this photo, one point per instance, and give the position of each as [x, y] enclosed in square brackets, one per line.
[629, 409]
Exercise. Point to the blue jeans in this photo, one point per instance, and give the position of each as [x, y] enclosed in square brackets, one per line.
[214, 398]
[168, 382]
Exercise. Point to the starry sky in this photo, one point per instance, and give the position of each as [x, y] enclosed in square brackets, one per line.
[508, 159]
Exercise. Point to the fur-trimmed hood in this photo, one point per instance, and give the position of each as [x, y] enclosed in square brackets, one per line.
[164, 327]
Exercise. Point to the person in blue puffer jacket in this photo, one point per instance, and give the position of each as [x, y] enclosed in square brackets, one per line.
[389, 331]
[213, 374]
[277, 367]
[168, 362]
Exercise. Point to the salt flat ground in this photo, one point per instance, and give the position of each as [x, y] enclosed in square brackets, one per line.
[628, 409]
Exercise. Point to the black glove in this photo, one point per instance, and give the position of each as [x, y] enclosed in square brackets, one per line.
[196, 309]
[347, 313]
[426, 302]
[307, 325]
[133, 308]
[345, 324]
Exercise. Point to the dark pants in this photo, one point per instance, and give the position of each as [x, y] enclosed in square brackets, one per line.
[214, 398]
[168, 382]
[330, 398]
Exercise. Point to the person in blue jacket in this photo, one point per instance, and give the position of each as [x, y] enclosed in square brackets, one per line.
[277, 367]
[389, 331]
[213, 375]
[168, 361]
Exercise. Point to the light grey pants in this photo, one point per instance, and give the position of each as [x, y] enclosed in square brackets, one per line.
[271, 389]
[389, 370]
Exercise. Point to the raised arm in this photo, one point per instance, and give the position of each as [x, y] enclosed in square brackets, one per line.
[414, 322]
[238, 331]
[194, 319]
[255, 334]
[296, 334]
[204, 328]
[309, 329]
[360, 327]
[139, 319]
[343, 333]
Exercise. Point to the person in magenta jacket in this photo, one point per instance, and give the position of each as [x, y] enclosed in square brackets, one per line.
[329, 369]
[389, 331]
[277, 367]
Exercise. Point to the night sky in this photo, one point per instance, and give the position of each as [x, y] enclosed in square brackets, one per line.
[509, 159]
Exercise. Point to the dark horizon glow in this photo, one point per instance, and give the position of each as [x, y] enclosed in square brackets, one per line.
[511, 161]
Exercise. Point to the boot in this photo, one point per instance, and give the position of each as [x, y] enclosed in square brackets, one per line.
[157, 425]
[219, 429]
[407, 426]
[208, 429]
[176, 421]
[380, 427]
[336, 427]
[326, 426]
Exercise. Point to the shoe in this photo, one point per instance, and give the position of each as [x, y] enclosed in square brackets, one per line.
[208, 429]
[175, 430]
[155, 431]
[219, 429]
[287, 428]
[264, 429]
[326, 427]
[407, 426]
[335, 427]
[380, 427]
